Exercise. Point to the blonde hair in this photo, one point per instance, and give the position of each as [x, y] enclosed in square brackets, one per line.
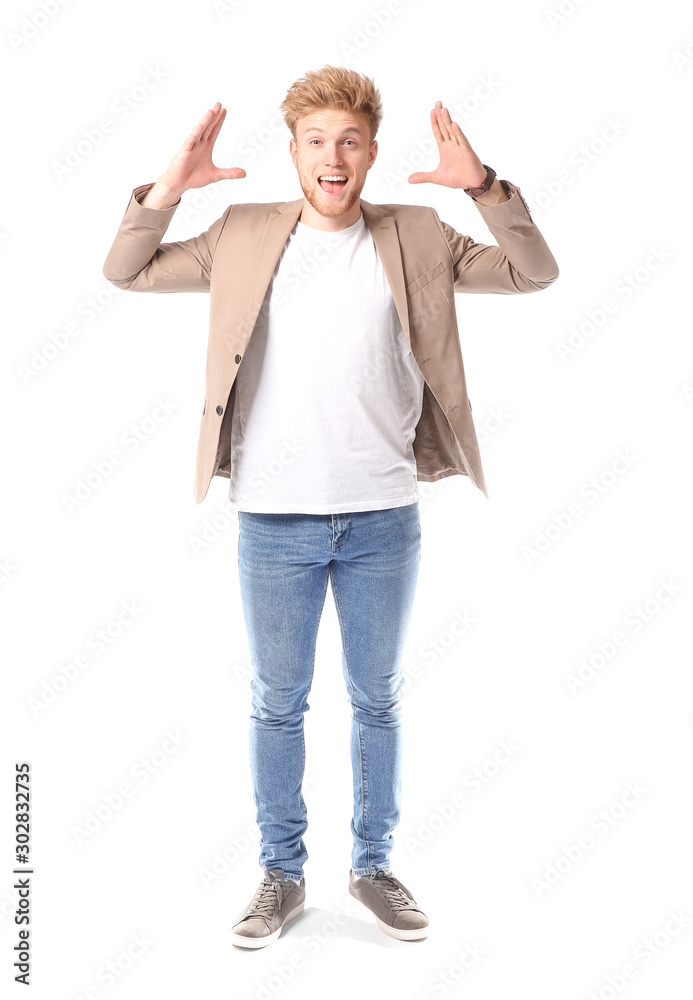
[333, 87]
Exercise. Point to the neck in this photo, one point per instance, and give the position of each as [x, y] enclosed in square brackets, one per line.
[329, 224]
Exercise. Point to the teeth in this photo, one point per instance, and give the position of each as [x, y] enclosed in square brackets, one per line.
[332, 177]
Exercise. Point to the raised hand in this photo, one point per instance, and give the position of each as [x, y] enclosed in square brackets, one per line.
[192, 166]
[459, 165]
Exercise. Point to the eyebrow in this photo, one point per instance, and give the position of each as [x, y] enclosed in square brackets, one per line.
[314, 128]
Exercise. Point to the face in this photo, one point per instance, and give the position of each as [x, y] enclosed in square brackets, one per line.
[337, 144]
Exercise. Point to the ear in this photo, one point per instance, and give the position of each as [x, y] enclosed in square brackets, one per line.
[372, 153]
[292, 151]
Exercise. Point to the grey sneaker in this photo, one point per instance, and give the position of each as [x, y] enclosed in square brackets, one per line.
[276, 901]
[394, 906]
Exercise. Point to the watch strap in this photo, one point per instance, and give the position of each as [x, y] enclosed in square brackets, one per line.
[488, 181]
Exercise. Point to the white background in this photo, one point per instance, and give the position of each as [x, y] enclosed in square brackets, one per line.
[587, 110]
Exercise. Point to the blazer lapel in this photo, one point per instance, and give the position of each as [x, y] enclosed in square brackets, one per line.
[384, 232]
[277, 228]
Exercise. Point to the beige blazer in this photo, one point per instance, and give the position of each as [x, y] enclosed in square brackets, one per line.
[425, 260]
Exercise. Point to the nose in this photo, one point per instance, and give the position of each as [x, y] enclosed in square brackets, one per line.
[333, 155]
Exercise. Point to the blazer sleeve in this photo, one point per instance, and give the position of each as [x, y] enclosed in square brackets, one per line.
[522, 262]
[139, 262]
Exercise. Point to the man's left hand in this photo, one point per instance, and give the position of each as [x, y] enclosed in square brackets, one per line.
[459, 165]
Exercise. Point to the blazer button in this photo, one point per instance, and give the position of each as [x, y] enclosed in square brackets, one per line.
[237, 359]
[220, 410]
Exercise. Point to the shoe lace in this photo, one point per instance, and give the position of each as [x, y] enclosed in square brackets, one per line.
[266, 897]
[392, 889]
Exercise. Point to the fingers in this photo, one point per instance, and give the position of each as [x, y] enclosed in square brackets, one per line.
[210, 119]
[444, 121]
[421, 177]
[438, 135]
[216, 126]
[444, 128]
[230, 173]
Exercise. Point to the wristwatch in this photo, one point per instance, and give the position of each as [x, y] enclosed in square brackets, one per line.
[488, 181]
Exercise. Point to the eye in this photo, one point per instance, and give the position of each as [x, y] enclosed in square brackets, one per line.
[311, 141]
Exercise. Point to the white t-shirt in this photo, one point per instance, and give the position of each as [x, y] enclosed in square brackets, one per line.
[328, 394]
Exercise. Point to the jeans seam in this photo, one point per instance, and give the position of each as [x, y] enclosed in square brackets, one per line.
[358, 724]
[317, 627]
[312, 674]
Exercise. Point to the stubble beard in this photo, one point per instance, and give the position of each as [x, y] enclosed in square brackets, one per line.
[331, 208]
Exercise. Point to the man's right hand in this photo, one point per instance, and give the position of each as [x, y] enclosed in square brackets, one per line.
[192, 165]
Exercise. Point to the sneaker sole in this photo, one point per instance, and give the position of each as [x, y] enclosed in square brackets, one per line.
[249, 942]
[408, 934]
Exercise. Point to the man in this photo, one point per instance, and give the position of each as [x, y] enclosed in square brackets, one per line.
[351, 388]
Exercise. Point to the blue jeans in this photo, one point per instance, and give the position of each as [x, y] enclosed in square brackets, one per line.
[285, 560]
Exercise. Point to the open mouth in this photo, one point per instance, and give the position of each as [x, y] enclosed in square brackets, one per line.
[332, 183]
